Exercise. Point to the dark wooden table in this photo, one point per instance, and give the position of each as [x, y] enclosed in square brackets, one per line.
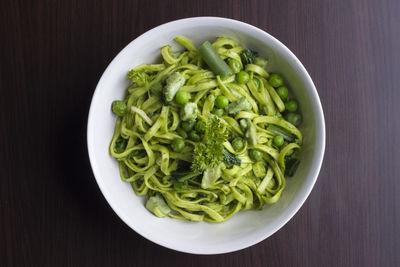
[52, 55]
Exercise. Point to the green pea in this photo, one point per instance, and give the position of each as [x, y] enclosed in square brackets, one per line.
[275, 80]
[179, 186]
[194, 136]
[255, 155]
[187, 125]
[218, 111]
[182, 133]
[200, 126]
[291, 105]
[156, 88]
[119, 107]
[178, 145]
[221, 101]
[182, 97]
[278, 140]
[293, 118]
[237, 144]
[242, 77]
[283, 92]
[235, 65]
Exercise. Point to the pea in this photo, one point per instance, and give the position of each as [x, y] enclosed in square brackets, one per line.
[194, 136]
[156, 88]
[237, 144]
[182, 97]
[275, 80]
[255, 155]
[200, 126]
[278, 140]
[235, 65]
[218, 111]
[283, 92]
[291, 105]
[182, 133]
[187, 125]
[221, 101]
[293, 118]
[178, 145]
[242, 77]
[119, 107]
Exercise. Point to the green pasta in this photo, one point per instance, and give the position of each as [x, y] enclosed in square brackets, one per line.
[199, 146]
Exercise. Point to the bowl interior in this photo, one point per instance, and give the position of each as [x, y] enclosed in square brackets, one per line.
[245, 228]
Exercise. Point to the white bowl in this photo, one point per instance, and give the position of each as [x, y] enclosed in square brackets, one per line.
[247, 227]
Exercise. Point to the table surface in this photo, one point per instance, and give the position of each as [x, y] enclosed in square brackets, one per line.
[52, 55]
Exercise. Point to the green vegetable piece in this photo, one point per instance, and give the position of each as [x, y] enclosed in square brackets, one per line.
[291, 105]
[188, 125]
[218, 111]
[120, 145]
[179, 186]
[242, 77]
[174, 82]
[293, 118]
[275, 80]
[119, 107]
[280, 131]
[239, 105]
[260, 62]
[291, 166]
[248, 57]
[278, 140]
[209, 153]
[182, 176]
[221, 101]
[210, 176]
[259, 169]
[231, 159]
[194, 136]
[182, 97]
[178, 145]
[283, 92]
[182, 133]
[200, 126]
[139, 77]
[189, 112]
[156, 204]
[235, 65]
[255, 155]
[238, 144]
[156, 88]
[213, 60]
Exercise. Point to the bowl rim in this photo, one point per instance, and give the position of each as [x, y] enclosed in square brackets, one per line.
[314, 172]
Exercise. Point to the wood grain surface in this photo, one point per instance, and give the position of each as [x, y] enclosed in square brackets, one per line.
[52, 54]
